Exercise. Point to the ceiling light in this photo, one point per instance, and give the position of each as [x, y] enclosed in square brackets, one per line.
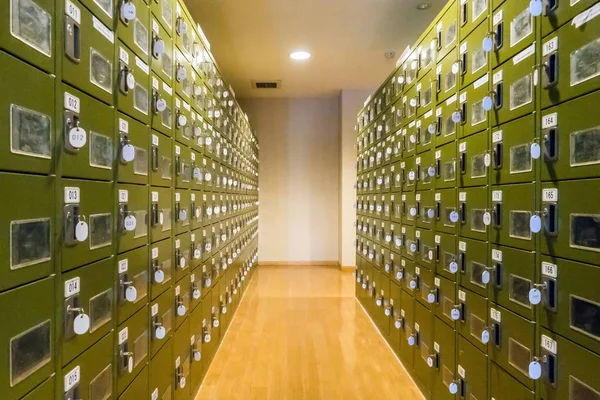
[300, 55]
[423, 6]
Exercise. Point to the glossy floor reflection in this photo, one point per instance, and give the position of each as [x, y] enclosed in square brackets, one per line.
[300, 334]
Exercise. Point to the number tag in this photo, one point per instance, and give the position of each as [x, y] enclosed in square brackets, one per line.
[123, 266]
[72, 378]
[462, 295]
[495, 315]
[72, 287]
[549, 344]
[550, 195]
[549, 269]
[123, 335]
[72, 195]
[497, 255]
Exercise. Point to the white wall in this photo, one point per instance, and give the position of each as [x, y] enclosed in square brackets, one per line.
[299, 177]
[351, 101]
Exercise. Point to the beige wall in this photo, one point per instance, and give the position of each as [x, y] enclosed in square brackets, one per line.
[299, 177]
[351, 101]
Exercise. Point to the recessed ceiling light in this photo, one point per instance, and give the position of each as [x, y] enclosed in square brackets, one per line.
[423, 6]
[300, 55]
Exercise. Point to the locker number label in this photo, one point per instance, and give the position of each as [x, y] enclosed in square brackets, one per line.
[462, 295]
[550, 46]
[73, 11]
[123, 196]
[123, 335]
[123, 266]
[123, 126]
[497, 255]
[72, 195]
[495, 315]
[549, 269]
[72, 287]
[72, 378]
[154, 310]
[72, 103]
[549, 344]
[461, 371]
[550, 195]
[497, 195]
[549, 121]
[155, 253]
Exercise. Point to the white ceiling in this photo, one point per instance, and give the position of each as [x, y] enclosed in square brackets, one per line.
[252, 39]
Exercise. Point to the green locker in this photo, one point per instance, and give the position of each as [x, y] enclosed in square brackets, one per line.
[426, 52]
[411, 279]
[133, 280]
[409, 145]
[446, 214]
[181, 211]
[570, 374]
[472, 371]
[446, 78]
[426, 129]
[161, 118]
[196, 209]
[446, 31]
[161, 160]
[182, 360]
[161, 214]
[472, 61]
[425, 355]
[426, 92]
[570, 70]
[139, 388]
[395, 304]
[379, 179]
[397, 272]
[446, 255]
[181, 301]
[44, 391]
[161, 322]
[504, 387]
[182, 255]
[28, 336]
[408, 335]
[207, 280]
[183, 122]
[132, 216]
[569, 147]
[471, 14]
[397, 142]
[196, 360]
[133, 27]
[88, 140]
[473, 324]
[161, 261]
[513, 149]
[443, 361]
[512, 345]
[425, 248]
[132, 349]
[208, 345]
[198, 131]
[387, 266]
[424, 171]
[382, 302]
[472, 116]
[28, 119]
[89, 46]
[133, 81]
[388, 145]
[132, 165]
[513, 215]
[445, 166]
[448, 117]
[425, 209]
[409, 242]
[396, 207]
[427, 291]
[87, 307]
[387, 207]
[183, 42]
[513, 278]
[216, 316]
[474, 211]
[161, 379]
[161, 53]
[557, 14]
[513, 88]
[90, 376]
[207, 243]
[568, 303]
[196, 248]
[29, 230]
[474, 160]
[210, 175]
[446, 307]
[87, 217]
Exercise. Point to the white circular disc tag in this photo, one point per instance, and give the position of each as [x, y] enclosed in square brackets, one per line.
[485, 277]
[412, 285]
[455, 314]
[413, 247]
[388, 150]
[430, 362]
[453, 267]
[535, 150]
[399, 275]
[197, 90]
[411, 341]
[430, 213]
[182, 215]
[431, 128]
[161, 218]
[230, 261]
[398, 242]
[378, 302]
[197, 254]
[453, 388]
[181, 310]
[430, 254]
[208, 141]
[128, 153]
[161, 105]
[488, 44]
[535, 370]
[207, 338]
[412, 138]
[387, 312]
[398, 324]
[413, 211]
[81, 324]
[487, 160]
[130, 81]
[209, 211]
[182, 262]
[196, 294]
[181, 74]
[456, 117]
[401, 79]
[455, 68]
[487, 218]
[77, 138]
[207, 176]
[159, 276]
[535, 296]
[159, 46]
[81, 231]
[413, 102]
[454, 216]
[208, 282]
[182, 382]
[130, 223]
[223, 310]
[129, 11]
[364, 285]
[358, 279]
[131, 294]
[182, 120]
[535, 224]
[411, 175]
[130, 364]
[485, 336]
[388, 238]
[216, 323]
[431, 298]
[197, 356]
[387, 267]
[487, 103]
[536, 7]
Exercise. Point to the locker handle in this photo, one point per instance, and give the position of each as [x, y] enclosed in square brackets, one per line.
[462, 261]
[499, 93]
[498, 155]
[177, 165]
[497, 215]
[463, 113]
[464, 13]
[438, 167]
[551, 145]
[438, 126]
[496, 329]
[437, 210]
[418, 137]
[463, 64]
[498, 275]
[438, 40]
[437, 252]
[551, 70]
[499, 35]
[551, 5]
[550, 294]
[463, 163]
[155, 158]
[438, 83]
[462, 312]
[72, 40]
[551, 220]
[463, 213]
[551, 370]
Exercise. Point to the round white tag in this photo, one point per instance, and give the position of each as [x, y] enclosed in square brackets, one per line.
[216, 323]
[455, 68]
[535, 296]
[197, 90]
[77, 138]
[130, 364]
[209, 211]
[487, 103]
[81, 324]
[181, 262]
[456, 117]
[453, 267]
[430, 213]
[411, 340]
[485, 277]
[181, 310]
[454, 216]
[161, 105]
[182, 27]
[378, 302]
[208, 282]
[358, 279]
[387, 312]
[412, 285]
[535, 150]
[411, 175]
[208, 141]
[487, 160]
[182, 215]
[398, 324]
[387, 267]
[413, 247]
[535, 224]
[401, 79]
[413, 211]
[161, 218]
[81, 231]
[485, 336]
[487, 44]
[430, 362]
[535, 370]
[388, 150]
[182, 382]
[413, 102]
[128, 153]
[181, 74]
[197, 254]
[388, 238]
[207, 338]
[455, 314]
[536, 7]
[131, 294]
[412, 138]
[398, 242]
[196, 294]
[453, 388]
[364, 285]
[207, 176]
[159, 276]
[399, 275]
[430, 254]
[223, 310]
[431, 298]
[182, 120]
[130, 223]
[129, 11]
[487, 218]
[197, 356]
[130, 81]
[159, 46]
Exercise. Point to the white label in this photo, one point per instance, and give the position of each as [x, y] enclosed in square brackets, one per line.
[155, 83]
[437, 282]
[495, 315]
[462, 295]
[524, 54]
[438, 70]
[154, 197]
[480, 82]
[438, 197]
[498, 76]
[586, 16]
[497, 195]
[438, 154]
[123, 196]
[550, 195]
[463, 48]
[104, 31]
[428, 114]
[73, 11]
[186, 106]
[497, 255]
[550, 46]
[549, 269]
[72, 287]
[155, 27]
[438, 112]
[167, 89]
[463, 97]
[418, 161]
[497, 137]
[550, 120]
[72, 103]
[417, 327]
[123, 335]
[411, 125]
[498, 17]
[462, 246]
[438, 239]
[436, 347]
[462, 147]
[451, 100]
[123, 55]
[155, 394]
[142, 65]
[123, 126]
[154, 309]
[461, 372]
[177, 291]
[155, 253]
[178, 150]
[72, 195]
[549, 344]
[177, 243]
[72, 378]
[154, 140]
[123, 266]
[177, 103]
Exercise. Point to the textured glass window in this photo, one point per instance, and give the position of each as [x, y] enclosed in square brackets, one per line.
[101, 385]
[585, 231]
[30, 242]
[30, 351]
[100, 71]
[100, 309]
[101, 151]
[32, 25]
[100, 230]
[521, 27]
[585, 62]
[518, 225]
[30, 132]
[585, 147]
[585, 316]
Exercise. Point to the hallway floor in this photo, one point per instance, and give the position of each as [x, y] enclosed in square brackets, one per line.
[300, 334]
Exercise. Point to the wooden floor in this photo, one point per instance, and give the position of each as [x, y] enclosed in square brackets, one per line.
[300, 334]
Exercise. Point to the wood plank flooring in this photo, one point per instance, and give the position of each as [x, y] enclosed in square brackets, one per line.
[300, 334]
